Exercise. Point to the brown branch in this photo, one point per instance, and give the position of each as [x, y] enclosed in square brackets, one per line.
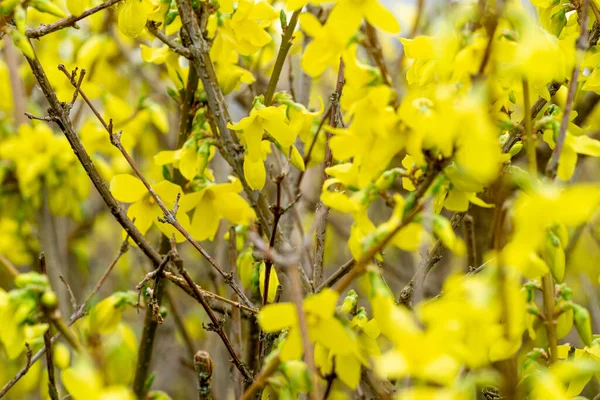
[215, 323]
[261, 380]
[309, 358]
[322, 211]
[581, 46]
[277, 213]
[42, 30]
[9, 266]
[236, 317]
[169, 215]
[336, 276]
[181, 283]
[16, 83]
[469, 234]
[427, 263]
[284, 48]
[377, 53]
[50, 366]
[152, 27]
[200, 58]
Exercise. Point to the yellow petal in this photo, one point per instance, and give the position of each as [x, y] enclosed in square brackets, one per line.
[127, 188]
[255, 173]
[278, 316]
[381, 17]
[273, 283]
[132, 18]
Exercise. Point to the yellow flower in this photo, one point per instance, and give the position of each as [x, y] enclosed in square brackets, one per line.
[373, 139]
[573, 146]
[324, 327]
[214, 202]
[293, 5]
[542, 208]
[324, 50]
[129, 189]
[84, 382]
[246, 27]
[191, 160]
[132, 18]
[261, 119]
[347, 16]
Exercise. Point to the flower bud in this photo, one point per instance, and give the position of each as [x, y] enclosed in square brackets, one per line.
[554, 256]
[349, 302]
[296, 159]
[515, 149]
[297, 375]
[31, 279]
[49, 300]
[20, 16]
[581, 318]
[47, 7]
[245, 267]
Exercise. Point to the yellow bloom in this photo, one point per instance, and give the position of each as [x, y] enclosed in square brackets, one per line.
[245, 30]
[573, 146]
[129, 189]
[132, 18]
[542, 208]
[324, 50]
[211, 204]
[347, 16]
[324, 327]
[261, 119]
[84, 382]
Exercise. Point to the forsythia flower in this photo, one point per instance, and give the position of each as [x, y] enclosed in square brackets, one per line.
[261, 119]
[213, 202]
[328, 333]
[129, 189]
[84, 382]
[132, 17]
[245, 30]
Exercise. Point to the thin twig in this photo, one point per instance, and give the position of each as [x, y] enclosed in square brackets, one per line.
[277, 213]
[284, 48]
[581, 46]
[531, 142]
[42, 30]
[9, 266]
[28, 363]
[236, 317]
[169, 215]
[469, 233]
[16, 83]
[185, 286]
[216, 325]
[50, 366]
[336, 276]
[322, 210]
[152, 27]
[261, 380]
